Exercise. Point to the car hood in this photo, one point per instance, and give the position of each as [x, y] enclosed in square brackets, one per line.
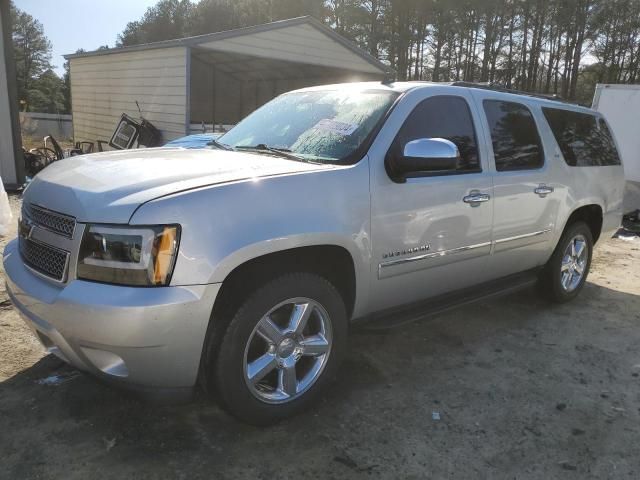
[107, 187]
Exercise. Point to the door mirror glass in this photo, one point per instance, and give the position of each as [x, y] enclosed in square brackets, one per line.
[426, 156]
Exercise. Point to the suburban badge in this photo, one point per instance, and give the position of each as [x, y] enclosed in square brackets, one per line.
[399, 253]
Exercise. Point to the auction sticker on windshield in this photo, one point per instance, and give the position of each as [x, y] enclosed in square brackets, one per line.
[341, 128]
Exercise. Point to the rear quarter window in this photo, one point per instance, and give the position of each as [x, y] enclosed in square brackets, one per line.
[584, 139]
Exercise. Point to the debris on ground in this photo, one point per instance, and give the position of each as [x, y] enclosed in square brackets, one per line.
[630, 229]
[346, 460]
[628, 237]
[631, 223]
[109, 444]
[349, 462]
[58, 379]
[568, 466]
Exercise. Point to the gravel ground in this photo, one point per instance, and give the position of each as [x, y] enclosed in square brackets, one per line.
[509, 388]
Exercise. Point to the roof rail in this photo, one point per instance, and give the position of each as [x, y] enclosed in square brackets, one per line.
[498, 88]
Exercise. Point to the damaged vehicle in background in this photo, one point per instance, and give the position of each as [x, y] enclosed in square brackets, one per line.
[197, 140]
[241, 268]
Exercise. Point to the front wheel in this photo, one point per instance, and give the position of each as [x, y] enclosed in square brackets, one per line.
[566, 272]
[281, 348]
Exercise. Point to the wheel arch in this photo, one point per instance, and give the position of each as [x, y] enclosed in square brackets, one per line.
[592, 214]
[333, 262]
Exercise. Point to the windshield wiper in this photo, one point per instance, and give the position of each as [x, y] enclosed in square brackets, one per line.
[282, 152]
[220, 145]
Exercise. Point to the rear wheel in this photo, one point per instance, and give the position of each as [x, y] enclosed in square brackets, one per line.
[281, 348]
[566, 272]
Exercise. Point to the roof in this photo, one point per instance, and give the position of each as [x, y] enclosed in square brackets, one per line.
[402, 87]
[211, 37]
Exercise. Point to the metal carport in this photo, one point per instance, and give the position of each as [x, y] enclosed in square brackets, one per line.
[214, 79]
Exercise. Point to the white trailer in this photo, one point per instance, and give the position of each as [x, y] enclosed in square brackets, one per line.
[620, 104]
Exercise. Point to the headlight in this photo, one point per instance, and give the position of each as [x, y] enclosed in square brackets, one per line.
[141, 256]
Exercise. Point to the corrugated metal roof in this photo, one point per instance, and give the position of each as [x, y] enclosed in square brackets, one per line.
[210, 37]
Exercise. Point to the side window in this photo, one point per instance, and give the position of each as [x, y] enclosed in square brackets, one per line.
[445, 117]
[609, 152]
[583, 141]
[515, 138]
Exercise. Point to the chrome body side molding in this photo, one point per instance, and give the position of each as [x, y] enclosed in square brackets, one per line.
[453, 251]
[520, 237]
[441, 253]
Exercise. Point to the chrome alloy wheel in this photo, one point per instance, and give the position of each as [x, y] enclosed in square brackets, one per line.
[574, 263]
[287, 350]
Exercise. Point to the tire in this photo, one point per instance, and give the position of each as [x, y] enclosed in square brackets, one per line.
[561, 280]
[252, 371]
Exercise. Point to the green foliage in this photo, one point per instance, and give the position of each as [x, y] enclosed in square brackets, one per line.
[32, 51]
[39, 88]
[167, 19]
[170, 19]
[46, 94]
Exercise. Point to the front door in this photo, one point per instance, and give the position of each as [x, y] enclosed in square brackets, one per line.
[431, 234]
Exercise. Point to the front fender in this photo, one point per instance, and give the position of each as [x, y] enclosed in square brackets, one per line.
[224, 226]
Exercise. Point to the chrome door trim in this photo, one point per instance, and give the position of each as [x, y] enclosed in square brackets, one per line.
[520, 237]
[453, 251]
[425, 256]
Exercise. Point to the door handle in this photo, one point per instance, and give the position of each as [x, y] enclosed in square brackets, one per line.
[543, 190]
[476, 198]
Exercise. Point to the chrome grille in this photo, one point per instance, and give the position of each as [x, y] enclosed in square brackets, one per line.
[56, 222]
[44, 258]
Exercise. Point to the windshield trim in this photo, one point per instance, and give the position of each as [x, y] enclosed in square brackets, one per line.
[357, 155]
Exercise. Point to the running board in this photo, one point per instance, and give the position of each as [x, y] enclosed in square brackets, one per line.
[395, 317]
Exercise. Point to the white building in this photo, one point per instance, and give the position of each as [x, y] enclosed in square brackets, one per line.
[620, 105]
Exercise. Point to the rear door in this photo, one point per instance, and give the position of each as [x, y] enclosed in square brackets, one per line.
[525, 198]
[426, 238]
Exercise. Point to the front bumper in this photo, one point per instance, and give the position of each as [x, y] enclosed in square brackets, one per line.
[144, 337]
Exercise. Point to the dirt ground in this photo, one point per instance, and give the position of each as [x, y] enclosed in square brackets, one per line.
[522, 389]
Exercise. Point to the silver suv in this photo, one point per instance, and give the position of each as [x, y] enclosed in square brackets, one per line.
[241, 267]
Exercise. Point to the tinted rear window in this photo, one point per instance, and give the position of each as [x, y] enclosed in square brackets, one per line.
[610, 153]
[516, 143]
[583, 140]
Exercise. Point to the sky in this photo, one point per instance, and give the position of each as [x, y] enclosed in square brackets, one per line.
[89, 24]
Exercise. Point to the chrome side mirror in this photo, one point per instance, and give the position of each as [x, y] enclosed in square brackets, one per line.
[425, 156]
